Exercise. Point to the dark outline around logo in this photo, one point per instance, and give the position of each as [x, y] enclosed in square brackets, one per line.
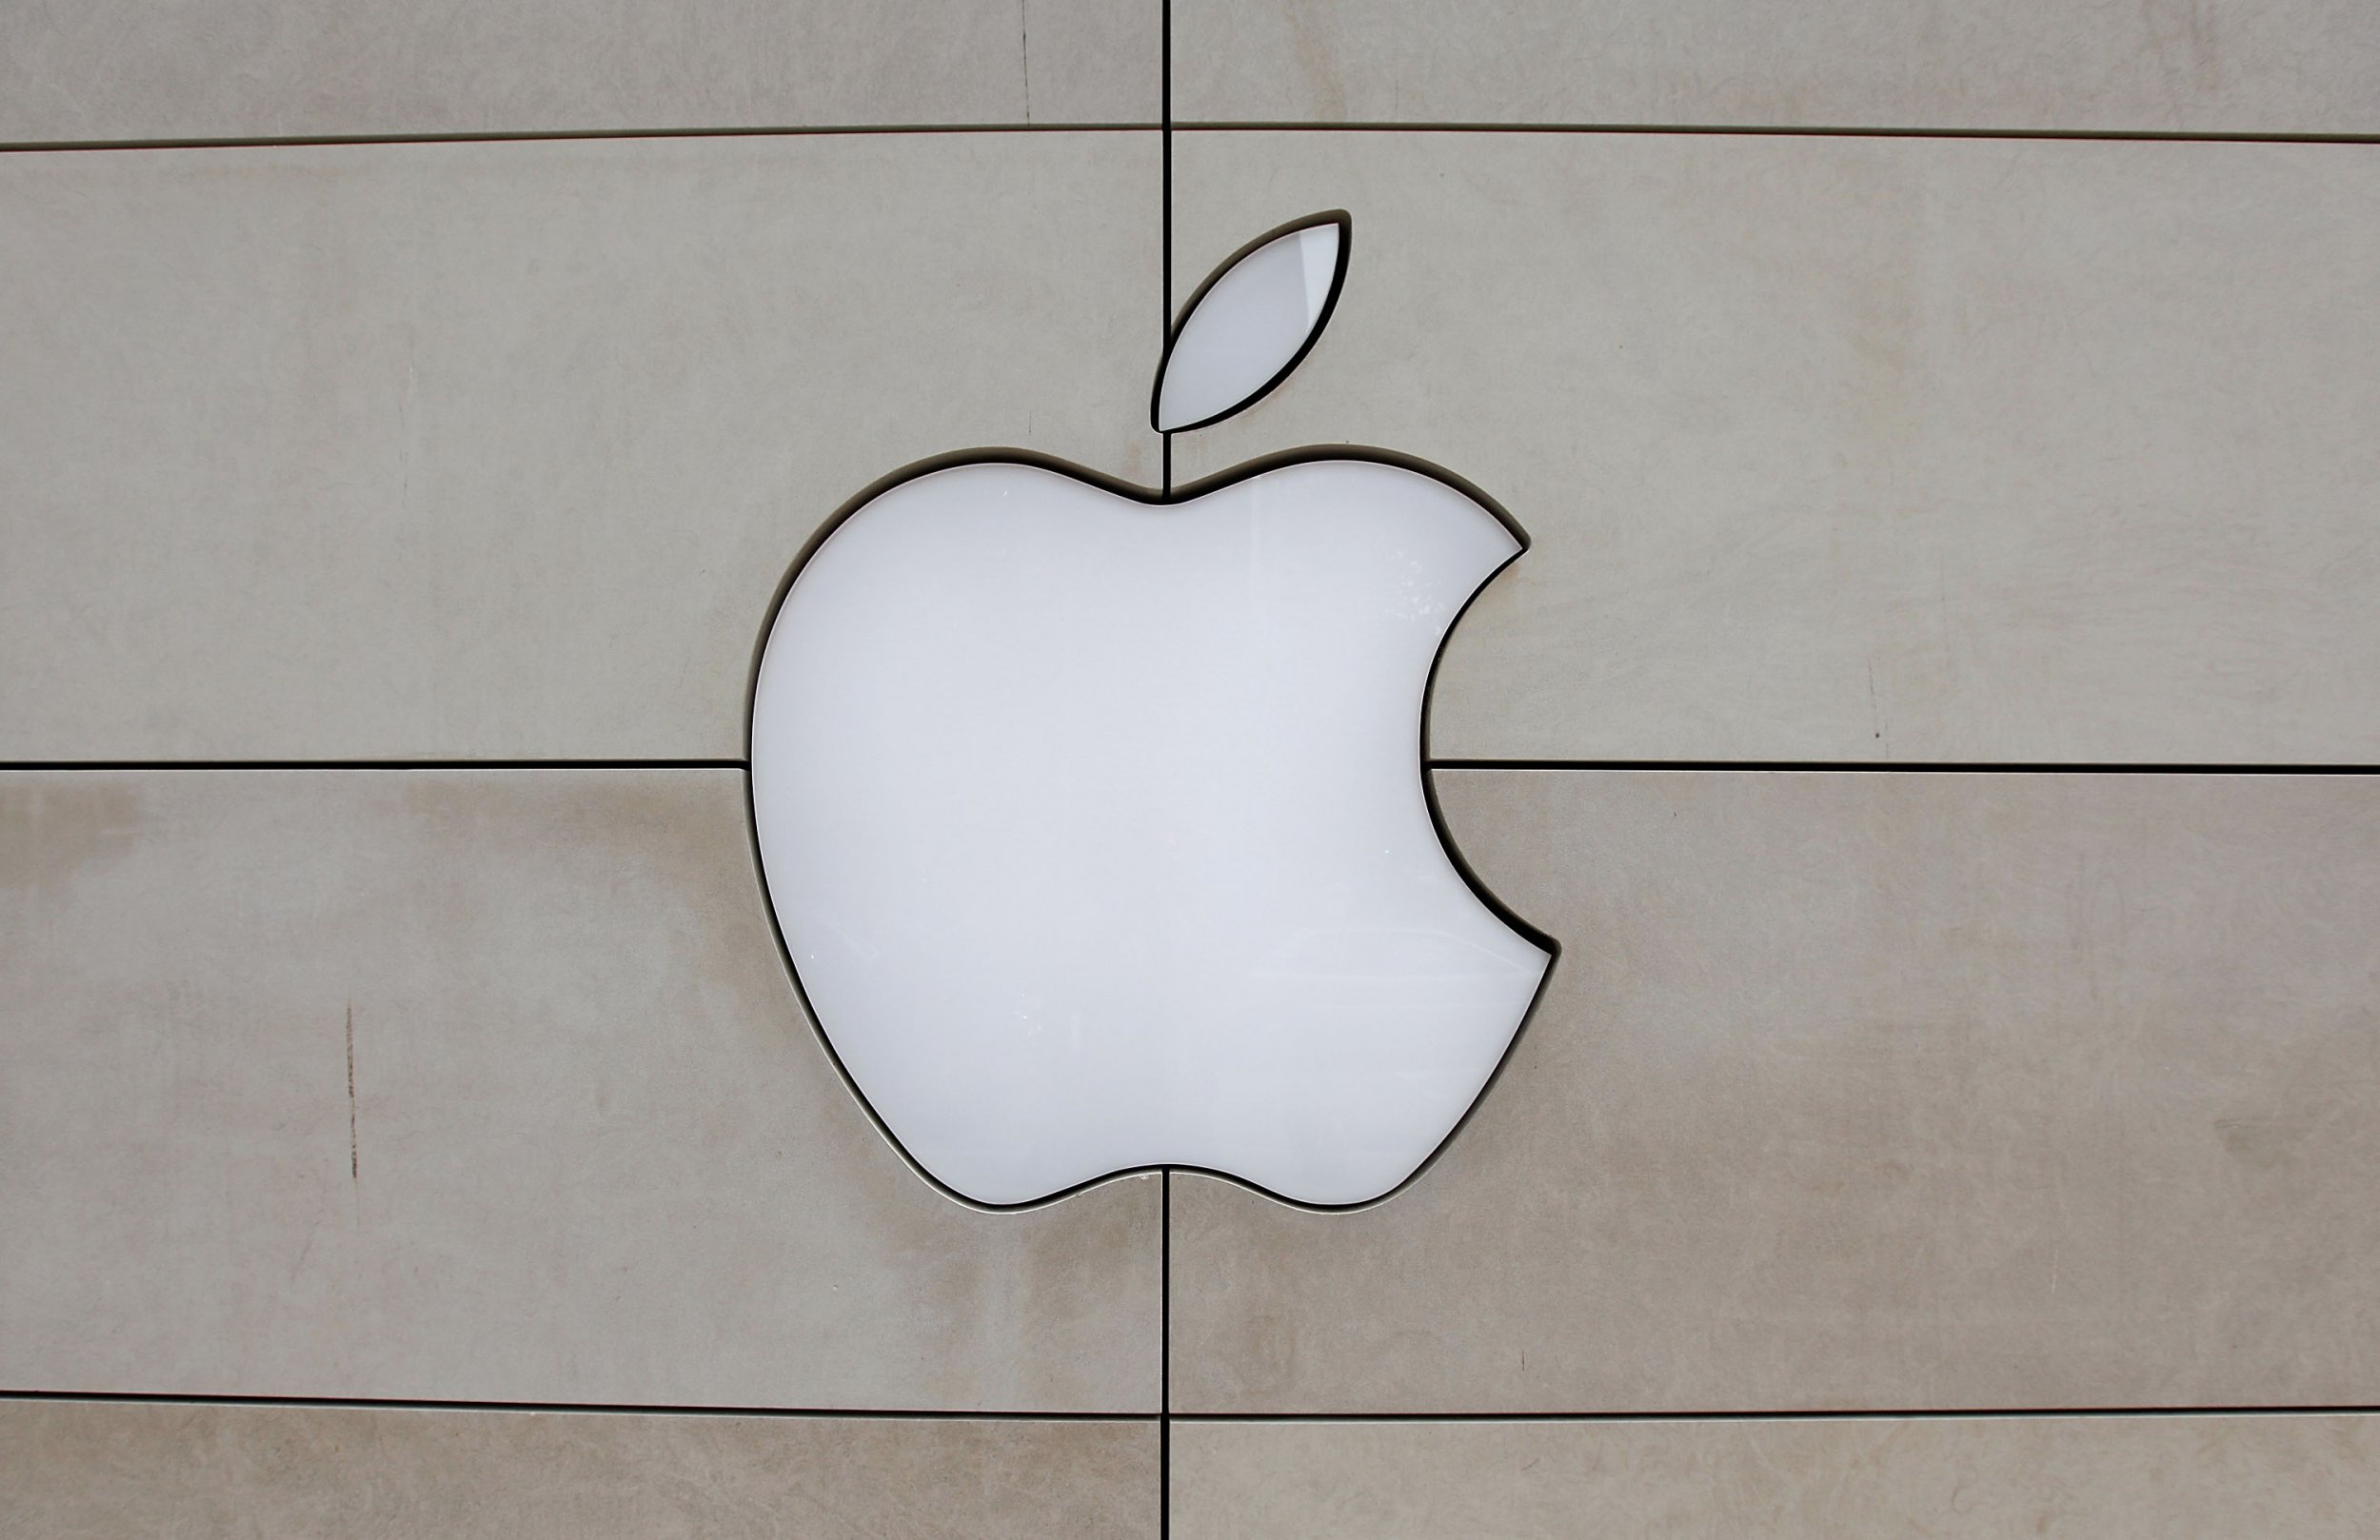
[1420, 763]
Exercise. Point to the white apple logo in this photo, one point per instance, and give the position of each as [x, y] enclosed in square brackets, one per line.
[1094, 821]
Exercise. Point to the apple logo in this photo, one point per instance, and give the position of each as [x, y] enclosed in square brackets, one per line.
[1094, 819]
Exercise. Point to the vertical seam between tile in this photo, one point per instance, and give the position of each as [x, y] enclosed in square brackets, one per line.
[1165, 462]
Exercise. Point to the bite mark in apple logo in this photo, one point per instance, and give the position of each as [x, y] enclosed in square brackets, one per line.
[1094, 821]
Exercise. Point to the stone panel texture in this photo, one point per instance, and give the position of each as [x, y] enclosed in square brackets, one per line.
[501, 450]
[99, 1471]
[2215, 66]
[1884, 449]
[100, 70]
[1867, 1091]
[481, 1086]
[1936, 719]
[2206, 1477]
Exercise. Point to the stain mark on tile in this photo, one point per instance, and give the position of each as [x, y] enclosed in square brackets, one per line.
[54, 831]
[1024, 52]
[355, 1155]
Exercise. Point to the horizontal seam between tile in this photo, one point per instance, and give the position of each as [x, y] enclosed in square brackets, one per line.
[2184, 137]
[1932, 1414]
[2042, 767]
[765, 131]
[46, 767]
[600, 1407]
[567, 135]
[946, 1414]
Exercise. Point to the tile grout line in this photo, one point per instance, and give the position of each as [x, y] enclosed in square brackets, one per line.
[542, 136]
[1164, 1174]
[45, 765]
[947, 1415]
[1165, 226]
[1837, 1414]
[622, 1408]
[1920, 767]
[1165, 1353]
[535, 136]
[1772, 130]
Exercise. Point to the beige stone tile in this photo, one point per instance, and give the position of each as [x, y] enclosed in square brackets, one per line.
[103, 1470]
[2112, 1478]
[501, 450]
[2220, 66]
[118, 69]
[482, 1086]
[1869, 1091]
[1842, 449]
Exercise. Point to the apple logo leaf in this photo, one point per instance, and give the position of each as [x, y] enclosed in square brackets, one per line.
[1251, 322]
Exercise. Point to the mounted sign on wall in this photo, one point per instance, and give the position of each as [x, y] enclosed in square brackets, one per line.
[1095, 823]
